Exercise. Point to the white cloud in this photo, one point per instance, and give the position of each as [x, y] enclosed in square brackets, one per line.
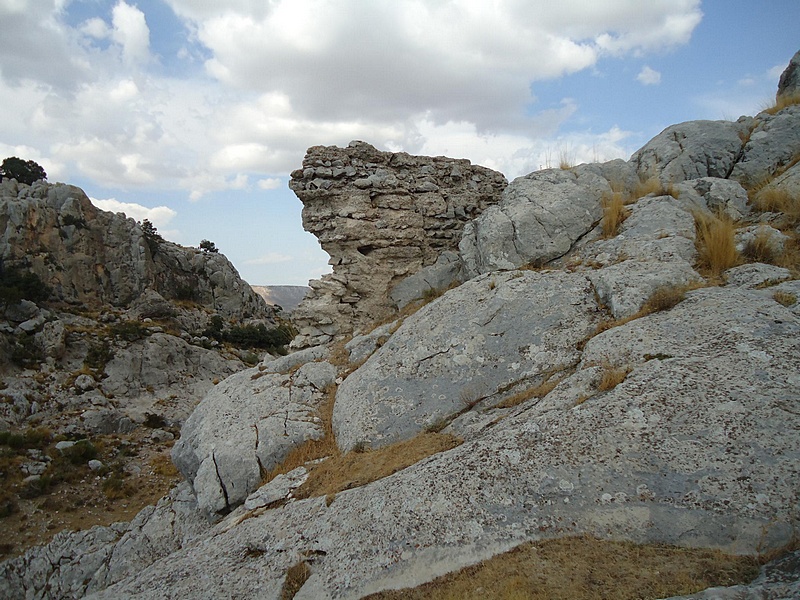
[271, 183]
[131, 32]
[288, 74]
[158, 215]
[648, 76]
[269, 259]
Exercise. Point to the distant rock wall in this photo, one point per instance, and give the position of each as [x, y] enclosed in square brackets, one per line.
[90, 256]
[381, 216]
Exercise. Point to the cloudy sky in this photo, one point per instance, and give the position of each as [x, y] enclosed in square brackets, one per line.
[192, 113]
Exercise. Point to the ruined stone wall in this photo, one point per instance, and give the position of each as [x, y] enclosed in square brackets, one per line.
[381, 216]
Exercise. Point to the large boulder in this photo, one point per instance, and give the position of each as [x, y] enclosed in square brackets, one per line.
[245, 427]
[773, 145]
[789, 83]
[692, 150]
[539, 218]
[486, 336]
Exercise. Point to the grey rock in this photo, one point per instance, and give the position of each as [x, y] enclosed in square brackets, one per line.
[692, 150]
[491, 332]
[772, 145]
[277, 489]
[244, 427]
[753, 275]
[625, 287]
[695, 449]
[84, 383]
[789, 83]
[161, 436]
[105, 421]
[774, 240]
[720, 195]
[53, 338]
[95, 465]
[538, 219]
[446, 271]
[361, 347]
[284, 364]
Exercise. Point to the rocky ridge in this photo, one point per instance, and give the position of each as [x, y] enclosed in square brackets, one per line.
[623, 382]
[381, 216]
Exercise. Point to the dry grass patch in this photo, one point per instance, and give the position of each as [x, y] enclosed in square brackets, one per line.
[614, 213]
[548, 384]
[585, 568]
[759, 249]
[296, 576]
[785, 298]
[770, 199]
[715, 243]
[354, 469]
[782, 102]
[653, 185]
[612, 377]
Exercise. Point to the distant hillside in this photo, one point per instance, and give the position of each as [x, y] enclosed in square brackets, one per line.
[285, 296]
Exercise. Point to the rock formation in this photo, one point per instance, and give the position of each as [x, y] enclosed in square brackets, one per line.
[621, 381]
[381, 216]
[93, 257]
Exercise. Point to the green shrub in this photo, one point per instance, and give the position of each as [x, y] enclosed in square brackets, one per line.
[17, 284]
[98, 356]
[81, 453]
[130, 331]
[27, 351]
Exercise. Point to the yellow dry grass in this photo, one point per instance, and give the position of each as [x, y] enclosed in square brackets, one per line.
[715, 243]
[785, 298]
[771, 199]
[614, 213]
[653, 185]
[586, 568]
[612, 377]
[354, 469]
[782, 102]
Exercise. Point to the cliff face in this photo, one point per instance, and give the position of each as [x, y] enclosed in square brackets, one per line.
[381, 216]
[93, 257]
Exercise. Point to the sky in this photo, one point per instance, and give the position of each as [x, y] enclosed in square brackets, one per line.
[193, 113]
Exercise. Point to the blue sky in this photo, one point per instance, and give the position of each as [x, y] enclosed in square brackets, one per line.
[192, 113]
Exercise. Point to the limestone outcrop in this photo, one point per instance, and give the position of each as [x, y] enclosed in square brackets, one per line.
[93, 257]
[381, 216]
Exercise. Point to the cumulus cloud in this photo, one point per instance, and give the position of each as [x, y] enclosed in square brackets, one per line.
[648, 76]
[158, 215]
[420, 76]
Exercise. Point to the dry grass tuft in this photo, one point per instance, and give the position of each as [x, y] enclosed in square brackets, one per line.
[585, 568]
[354, 469]
[782, 102]
[614, 213]
[770, 199]
[784, 298]
[612, 377]
[664, 298]
[539, 391]
[653, 185]
[759, 249]
[296, 576]
[715, 243]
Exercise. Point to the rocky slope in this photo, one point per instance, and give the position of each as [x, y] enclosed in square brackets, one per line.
[108, 334]
[621, 361]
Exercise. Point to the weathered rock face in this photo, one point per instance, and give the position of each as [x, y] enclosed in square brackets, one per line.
[95, 257]
[245, 426]
[381, 216]
[789, 82]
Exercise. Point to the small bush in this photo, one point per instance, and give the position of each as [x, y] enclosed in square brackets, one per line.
[715, 243]
[81, 453]
[129, 331]
[98, 356]
[664, 298]
[296, 576]
[27, 352]
[78, 222]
